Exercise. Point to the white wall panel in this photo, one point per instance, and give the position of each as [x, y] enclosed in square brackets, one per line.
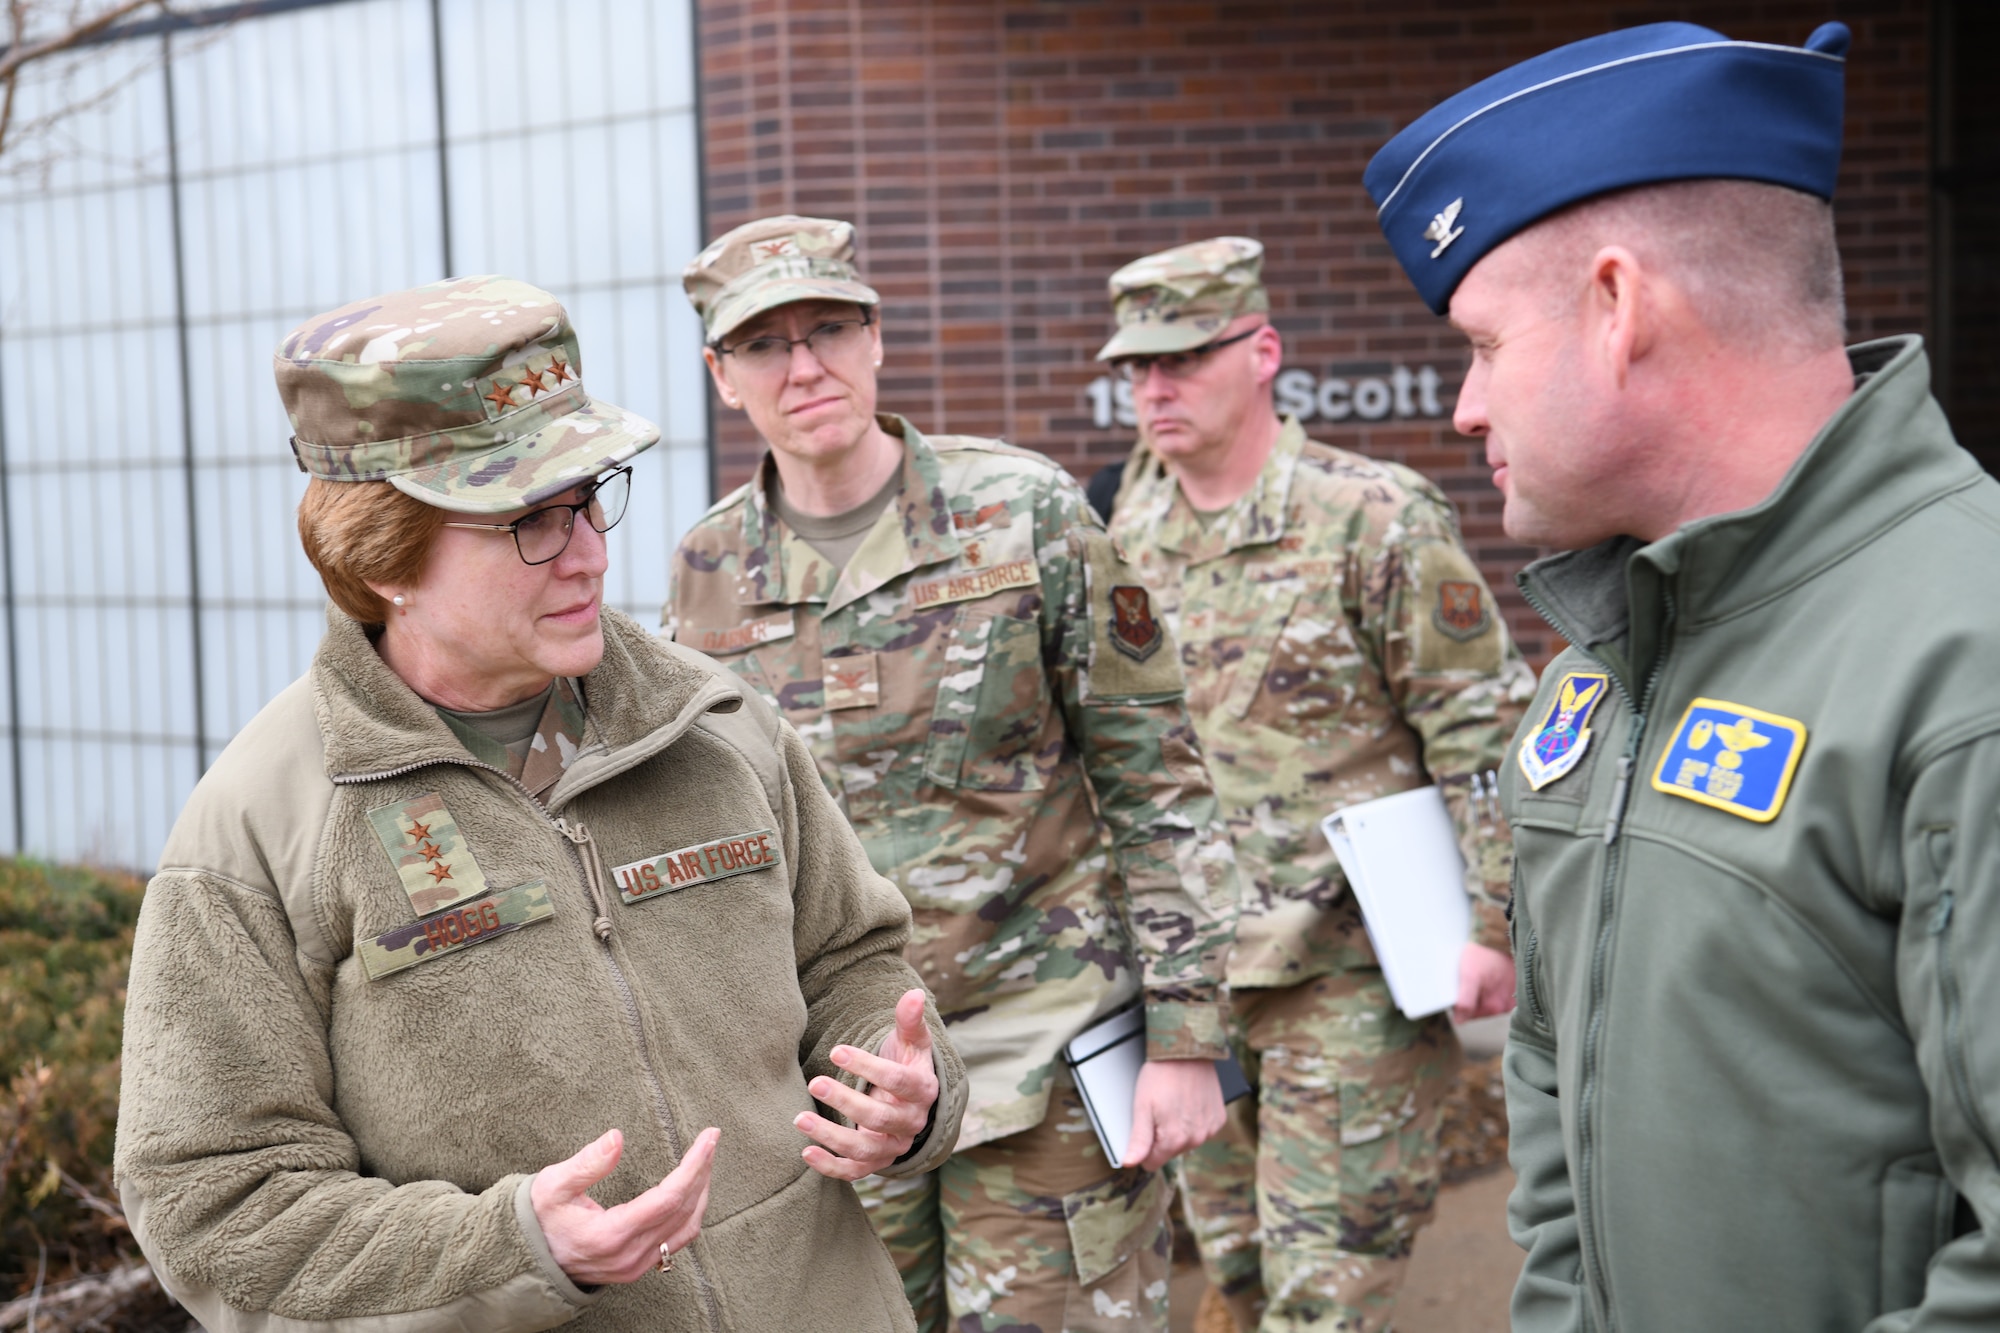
[307, 170]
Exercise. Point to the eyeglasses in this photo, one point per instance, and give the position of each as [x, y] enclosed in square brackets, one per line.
[769, 353]
[1176, 365]
[540, 535]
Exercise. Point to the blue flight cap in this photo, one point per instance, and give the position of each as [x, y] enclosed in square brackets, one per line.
[1669, 101]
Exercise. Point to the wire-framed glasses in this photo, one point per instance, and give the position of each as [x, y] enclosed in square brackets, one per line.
[540, 535]
[830, 341]
[1175, 365]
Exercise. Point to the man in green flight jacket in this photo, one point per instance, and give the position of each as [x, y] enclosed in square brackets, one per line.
[1754, 1078]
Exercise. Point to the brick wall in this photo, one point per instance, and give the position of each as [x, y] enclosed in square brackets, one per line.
[1001, 157]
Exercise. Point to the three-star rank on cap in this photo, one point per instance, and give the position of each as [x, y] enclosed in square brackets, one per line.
[1558, 744]
[1732, 757]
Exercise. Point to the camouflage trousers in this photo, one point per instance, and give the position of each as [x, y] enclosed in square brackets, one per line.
[1030, 1234]
[1306, 1205]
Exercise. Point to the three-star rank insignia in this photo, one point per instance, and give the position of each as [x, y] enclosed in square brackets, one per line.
[428, 852]
[1134, 631]
[1461, 612]
[1733, 758]
[1558, 744]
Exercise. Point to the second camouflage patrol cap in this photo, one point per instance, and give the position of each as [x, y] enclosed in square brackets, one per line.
[1178, 299]
[772, 262]
[1664, 102]
[466, 394]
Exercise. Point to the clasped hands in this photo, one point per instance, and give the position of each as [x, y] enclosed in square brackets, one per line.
[595, 1245]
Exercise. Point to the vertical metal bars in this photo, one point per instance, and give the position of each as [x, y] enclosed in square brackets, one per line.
[152, 593]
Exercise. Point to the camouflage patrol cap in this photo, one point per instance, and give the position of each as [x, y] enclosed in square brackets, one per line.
[466, 394]
[772, 262]
[1178, 299]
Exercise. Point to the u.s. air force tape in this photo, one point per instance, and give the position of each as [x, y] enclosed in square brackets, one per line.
[737, 854]
[457, 927]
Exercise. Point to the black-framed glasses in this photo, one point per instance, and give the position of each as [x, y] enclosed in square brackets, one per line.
[1176, 365]
[829, 341]
[540, 535]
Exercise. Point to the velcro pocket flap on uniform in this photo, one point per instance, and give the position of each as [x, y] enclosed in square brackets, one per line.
[457, 927]
[850, 680]
[1109, 1221]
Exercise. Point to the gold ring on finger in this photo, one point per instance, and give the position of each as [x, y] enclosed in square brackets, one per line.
[666, 1257]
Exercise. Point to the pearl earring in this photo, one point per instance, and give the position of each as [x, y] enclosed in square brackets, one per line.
[400, 600]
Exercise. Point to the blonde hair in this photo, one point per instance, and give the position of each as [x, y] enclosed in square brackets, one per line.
[361, 532]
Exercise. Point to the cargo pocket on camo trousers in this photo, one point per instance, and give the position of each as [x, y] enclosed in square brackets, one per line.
[1121, 1247]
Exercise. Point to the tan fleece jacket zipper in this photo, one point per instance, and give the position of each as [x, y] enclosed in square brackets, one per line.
[584, 849]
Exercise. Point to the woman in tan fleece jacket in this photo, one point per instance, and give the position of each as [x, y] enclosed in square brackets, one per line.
[512, 967]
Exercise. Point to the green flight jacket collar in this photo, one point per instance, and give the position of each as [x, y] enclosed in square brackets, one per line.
[1618, 599]
[914, 531]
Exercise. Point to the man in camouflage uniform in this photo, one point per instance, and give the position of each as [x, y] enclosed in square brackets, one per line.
[1339, 645]
[1000, 714]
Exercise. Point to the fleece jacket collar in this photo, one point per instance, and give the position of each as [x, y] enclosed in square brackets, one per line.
[641, 698]
[1845, 490]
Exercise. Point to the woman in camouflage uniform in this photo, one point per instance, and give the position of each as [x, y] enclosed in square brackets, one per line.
[504, 875]
[993, 704]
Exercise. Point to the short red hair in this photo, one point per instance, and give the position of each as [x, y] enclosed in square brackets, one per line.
[362, 532]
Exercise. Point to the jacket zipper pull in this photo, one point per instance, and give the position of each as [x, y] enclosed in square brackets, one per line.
[1619, 791]
[587, 853]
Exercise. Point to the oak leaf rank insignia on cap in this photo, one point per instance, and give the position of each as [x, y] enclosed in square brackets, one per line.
[1663, 102]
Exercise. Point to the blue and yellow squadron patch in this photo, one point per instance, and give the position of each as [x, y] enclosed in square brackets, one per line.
[429, 853]
[1558, 744]
[671, 871]
[1732, 757]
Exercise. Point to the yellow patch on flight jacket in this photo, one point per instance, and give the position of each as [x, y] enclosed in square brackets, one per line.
[1732, 757]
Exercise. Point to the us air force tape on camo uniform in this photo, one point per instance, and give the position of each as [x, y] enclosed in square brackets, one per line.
[771, 262]
[1664, 102]
[466, 394]
[1178, 299]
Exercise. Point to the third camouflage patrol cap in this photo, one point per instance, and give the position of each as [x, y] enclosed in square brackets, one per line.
[772, 262]
[1664, 102]
[466, 394]
[1178, 299]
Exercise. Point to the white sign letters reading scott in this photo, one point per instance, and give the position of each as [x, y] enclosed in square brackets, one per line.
[1339, 395]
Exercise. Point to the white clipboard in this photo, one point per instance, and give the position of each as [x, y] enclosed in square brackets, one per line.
[1402, 861]
[1105, 1059]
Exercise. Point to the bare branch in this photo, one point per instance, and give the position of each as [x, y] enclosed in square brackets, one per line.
[19, 54]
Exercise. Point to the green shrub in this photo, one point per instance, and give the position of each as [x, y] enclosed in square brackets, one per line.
[65, 949]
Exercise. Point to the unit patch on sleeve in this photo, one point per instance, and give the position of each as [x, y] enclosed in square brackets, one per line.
[1558, 744]
[429, 853]
[1732, 757]
[457, 927]
[1461, 611]
[670, 872]
[1134, 632]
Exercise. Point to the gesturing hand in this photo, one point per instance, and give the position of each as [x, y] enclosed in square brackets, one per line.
[902, 1081]
[595, 1244]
